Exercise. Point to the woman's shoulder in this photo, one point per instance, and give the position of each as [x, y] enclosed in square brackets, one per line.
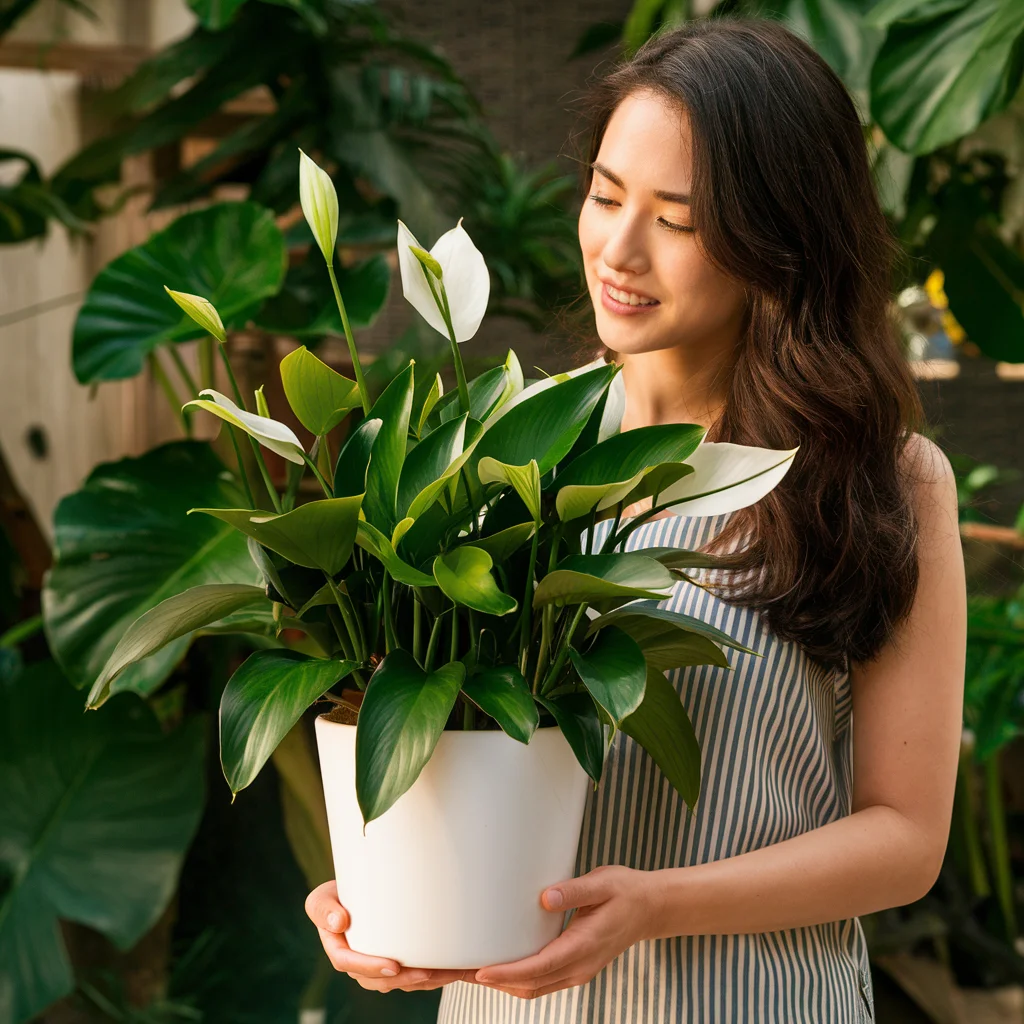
[931, 483]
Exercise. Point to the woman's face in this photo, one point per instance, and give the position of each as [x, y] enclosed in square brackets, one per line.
[636, 237]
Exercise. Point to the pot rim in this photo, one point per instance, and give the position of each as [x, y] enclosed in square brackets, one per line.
[323, 719]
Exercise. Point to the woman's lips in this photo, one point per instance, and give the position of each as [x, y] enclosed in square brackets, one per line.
[623, 308]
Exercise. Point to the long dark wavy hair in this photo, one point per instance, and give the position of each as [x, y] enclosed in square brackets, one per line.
[783, 200]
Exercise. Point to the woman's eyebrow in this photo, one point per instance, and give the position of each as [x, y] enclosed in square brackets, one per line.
[668, 197]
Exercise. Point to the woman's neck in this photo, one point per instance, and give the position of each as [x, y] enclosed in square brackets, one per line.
[675, 386]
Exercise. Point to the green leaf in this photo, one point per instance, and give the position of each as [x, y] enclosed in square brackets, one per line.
[427, 462]
[262, 701]
[580, 578]
[174, 617]
[661, 726]
[634, 616]
[680, 558]
[432, 398]
[614, 671]
[124, 543]
[502, 693]
[544, 425]
[393, 409]
[98, 813]
[464, 575]
[666, 647]
[505, 543]
[354, 459]
[402, 716]
[943, 69]
[215, 14]
[525, 480]
[318, 535]
[485, 392]
[576, 715]
[232, 254]
[319, 397]
[369, 538]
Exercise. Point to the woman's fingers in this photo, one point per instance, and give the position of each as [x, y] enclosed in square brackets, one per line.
[324, 910]
[345, 959]
[412, 979]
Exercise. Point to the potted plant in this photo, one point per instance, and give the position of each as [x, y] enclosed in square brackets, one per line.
[478, 650]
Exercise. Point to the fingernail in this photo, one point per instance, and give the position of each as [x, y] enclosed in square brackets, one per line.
[554, 899]
[387, 972]
[483, 978]
[334, 921]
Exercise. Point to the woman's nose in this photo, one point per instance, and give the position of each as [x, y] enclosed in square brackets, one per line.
[625, 248]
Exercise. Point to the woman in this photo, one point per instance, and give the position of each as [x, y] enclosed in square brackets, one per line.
[738, 264]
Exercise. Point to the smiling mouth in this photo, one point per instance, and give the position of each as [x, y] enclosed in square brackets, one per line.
[629, 298]
[622, 302]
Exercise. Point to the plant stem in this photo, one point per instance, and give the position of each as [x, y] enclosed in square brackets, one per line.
[389, 626]
[524, 618]
[319, 476]
[417, 629]
[241, 466]
[563, 653]
[341, 631]
[605, 547]
[271, 489]
[433, 642]
[446, 315]
[969, 818]
[454, 650]
[347, 615]
[206, 360]
[468, 717]
[160, 376]
[231, 377]
[1000, 851]
[186, 376]
[353, 353]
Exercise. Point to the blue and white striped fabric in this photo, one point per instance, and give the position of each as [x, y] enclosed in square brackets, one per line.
[776, 741]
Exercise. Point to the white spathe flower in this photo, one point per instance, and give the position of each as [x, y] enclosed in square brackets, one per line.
[319, 204]
[272, 434]
[464, 277]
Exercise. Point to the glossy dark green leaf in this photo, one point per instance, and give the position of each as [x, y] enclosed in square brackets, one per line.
[484, 392]
[543, 426]
[580, 578]
[124, 543]
[681, 558]
[354, 458]
[505, 543]
[614, 671]
[99, 810]
[502, 693]
[943, 68]
[318, 535]
[577, 716]
[428, 461]
[305, 307]
[393, 409]
[464, 575]
[661, 726]
[665, 647]
[232, 254]
[262, 701]
[643, 618]
[402, 716]
[319, 396]
[174, 617]
[524, 479]
[369, 538]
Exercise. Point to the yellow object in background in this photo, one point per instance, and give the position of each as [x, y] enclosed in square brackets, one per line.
[934, 287]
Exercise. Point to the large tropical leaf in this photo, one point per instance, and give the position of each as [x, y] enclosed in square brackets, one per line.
[576, 715]
[402, 716]
[642, 619]
[124, 543]
[944, 67]
[580, 578]
[232, 254]
[96, 813]
[262, 701]
[502, 693]
[661, 726]
[614, 671]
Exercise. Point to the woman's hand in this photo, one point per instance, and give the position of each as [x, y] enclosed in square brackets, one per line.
[615, 909]
[372, 972]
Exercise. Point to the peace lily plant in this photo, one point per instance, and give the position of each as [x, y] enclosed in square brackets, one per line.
[447, 578]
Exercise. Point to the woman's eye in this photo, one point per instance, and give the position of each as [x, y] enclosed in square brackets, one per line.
[605, 201]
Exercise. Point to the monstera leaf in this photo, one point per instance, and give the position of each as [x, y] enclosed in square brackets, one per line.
[232, 254]
[98, 811]
[124, 543]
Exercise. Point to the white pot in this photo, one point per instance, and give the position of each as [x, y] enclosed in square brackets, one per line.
[451, 875]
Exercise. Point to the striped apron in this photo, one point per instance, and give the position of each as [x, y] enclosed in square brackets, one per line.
[776, 742]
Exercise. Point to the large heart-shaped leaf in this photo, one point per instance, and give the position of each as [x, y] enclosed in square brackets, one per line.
[464, 575]
[262, 701]
[232, 254]
[943, 68]
[661, 726]
[401, 718]
[124, 543]
[319, 396]
[393, 409]
[576, 715]
[544, 425]
[98, 812]
[614, 671]
[580, 578]
[643, 619]
[318, 535]
[173, 618]
[502, 693]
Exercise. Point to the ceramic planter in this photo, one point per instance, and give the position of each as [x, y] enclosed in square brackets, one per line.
[451, 875]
